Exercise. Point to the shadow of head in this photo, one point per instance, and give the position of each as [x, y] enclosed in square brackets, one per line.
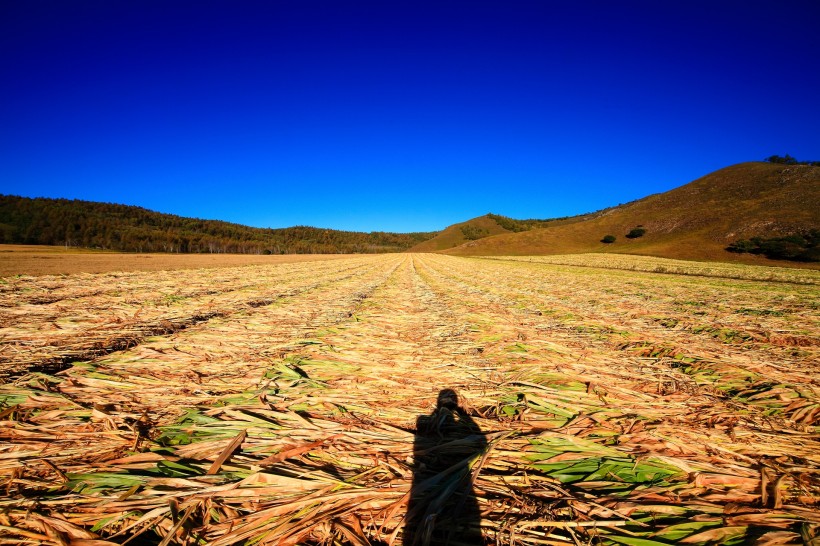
[447, 398]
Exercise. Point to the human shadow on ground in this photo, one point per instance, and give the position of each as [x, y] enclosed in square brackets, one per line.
[443, 509]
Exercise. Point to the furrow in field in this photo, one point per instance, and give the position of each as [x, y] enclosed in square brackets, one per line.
[733, 369]
[124, 296]
[154, 382]
[225, 356]
[711, 308]
[666, 266]
[367, 380]
[82, 333]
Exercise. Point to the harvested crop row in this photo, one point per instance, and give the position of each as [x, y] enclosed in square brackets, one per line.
[651, 264]
[779, 382]
[758, 308]
[674, 313]
[49, 336]
[143, 286]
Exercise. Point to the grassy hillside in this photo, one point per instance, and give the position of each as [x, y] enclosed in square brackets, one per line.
[488, 226]
[457, 234]
[695, 221]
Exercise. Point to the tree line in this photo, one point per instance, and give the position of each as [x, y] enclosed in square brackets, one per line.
[87, 224]
[517, 226]
[789, 160]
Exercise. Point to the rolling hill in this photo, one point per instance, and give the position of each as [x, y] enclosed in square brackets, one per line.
[107, 226]
[477, 228]
[695, 221]
[489, 225]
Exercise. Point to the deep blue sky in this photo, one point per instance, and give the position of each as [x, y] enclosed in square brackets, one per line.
[392, 115]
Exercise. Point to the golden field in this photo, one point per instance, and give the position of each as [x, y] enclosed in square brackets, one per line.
[610, 400]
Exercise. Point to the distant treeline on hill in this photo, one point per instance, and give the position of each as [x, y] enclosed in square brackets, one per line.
[517, 226]
[126, 228]
[789, 160]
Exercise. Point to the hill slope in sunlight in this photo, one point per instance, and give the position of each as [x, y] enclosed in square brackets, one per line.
[488, 226]
[457, 234]
[695, 221]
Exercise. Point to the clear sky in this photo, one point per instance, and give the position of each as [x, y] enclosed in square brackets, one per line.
[396, 115]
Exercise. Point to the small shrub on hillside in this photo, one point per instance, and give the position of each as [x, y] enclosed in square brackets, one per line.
[636, 232]
[608, 239]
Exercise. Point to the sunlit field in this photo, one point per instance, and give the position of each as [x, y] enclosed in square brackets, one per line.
[601, 400]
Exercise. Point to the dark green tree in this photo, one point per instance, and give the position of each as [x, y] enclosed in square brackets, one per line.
[787, 160]
[634, 233]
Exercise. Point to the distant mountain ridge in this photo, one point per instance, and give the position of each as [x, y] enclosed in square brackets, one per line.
[127, 228]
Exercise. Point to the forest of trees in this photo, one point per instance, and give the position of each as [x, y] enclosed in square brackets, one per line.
[126, 228]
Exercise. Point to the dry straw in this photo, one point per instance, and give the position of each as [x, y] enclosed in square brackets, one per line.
[639, 410]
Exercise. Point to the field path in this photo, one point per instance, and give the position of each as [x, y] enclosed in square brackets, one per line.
[296, 403]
